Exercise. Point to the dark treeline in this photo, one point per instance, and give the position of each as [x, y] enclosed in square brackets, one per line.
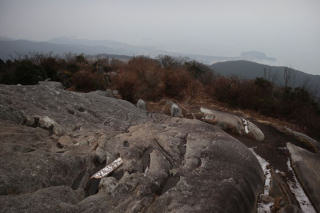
[166, 77]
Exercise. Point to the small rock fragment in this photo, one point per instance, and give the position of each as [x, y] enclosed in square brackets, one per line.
[108, 184]
[175, 110]
[66, 140]
[141, 104]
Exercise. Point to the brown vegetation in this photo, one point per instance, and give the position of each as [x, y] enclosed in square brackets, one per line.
[189, 83]
[146, 78]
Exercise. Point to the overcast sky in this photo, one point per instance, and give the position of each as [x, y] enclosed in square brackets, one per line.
[286, 29]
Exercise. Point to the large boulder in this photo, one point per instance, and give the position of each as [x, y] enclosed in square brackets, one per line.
[307, 141]
[304, 140]
[233, 123]
[30, 161]
[306, 165]
[71, 110]
[190, 166]
[52, 141]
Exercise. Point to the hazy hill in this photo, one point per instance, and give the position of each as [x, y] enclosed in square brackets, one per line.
[112, 47]
[13, 48]
[61, 46]
[252, 70]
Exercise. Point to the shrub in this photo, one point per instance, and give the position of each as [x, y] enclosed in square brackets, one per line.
[226, 90]
[125, 83]
[198, 70]
[140, 78]
[28, 73]
[87, 81]
[148, 79]
[51, 67]
[178, 83]
[168, 62]
[80, 59]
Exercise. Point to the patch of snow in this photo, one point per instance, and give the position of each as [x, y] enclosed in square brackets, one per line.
[264, 207]
[297, 190]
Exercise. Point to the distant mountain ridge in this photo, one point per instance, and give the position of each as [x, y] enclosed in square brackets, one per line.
[11, 48]
[238, 66]
[251, 70]
[114, 47]
[14, 48]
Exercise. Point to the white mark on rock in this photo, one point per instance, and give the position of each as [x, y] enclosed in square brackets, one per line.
[108, 169]
[146, 171]
[245, 124]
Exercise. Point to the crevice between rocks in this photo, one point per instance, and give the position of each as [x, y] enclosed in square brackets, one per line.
[169, 183]
[92, 187]
[165, 154]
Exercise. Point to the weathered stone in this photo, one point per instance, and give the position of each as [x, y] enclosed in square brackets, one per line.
[27, 164]
[91, 111]
[52, 199]
[175, 111]
[66, 140]
[11, 114]
[199, 186]
[115, 92]
[48, 123]
[308, 141]
[254, 131]
[169, 164]
[107, 93]
[233, 123]
[159, 167]
[224, 120]
[306, 166]
[141, 105]
[290, 209]
[107, 184]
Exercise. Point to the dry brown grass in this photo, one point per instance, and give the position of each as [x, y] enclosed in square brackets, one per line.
[87, 81]
[145, 78]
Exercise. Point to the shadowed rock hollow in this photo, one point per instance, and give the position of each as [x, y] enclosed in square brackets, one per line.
[52, 141]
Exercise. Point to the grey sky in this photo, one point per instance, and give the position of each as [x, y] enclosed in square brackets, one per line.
[286, 29]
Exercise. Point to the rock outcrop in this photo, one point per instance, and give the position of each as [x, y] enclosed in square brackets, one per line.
[51, 199]
[53, 140]
[305, 140]
[188, 163]
[307, 167]
[233, 123]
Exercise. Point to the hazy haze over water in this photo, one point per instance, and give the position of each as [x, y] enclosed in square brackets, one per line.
[286, 29]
